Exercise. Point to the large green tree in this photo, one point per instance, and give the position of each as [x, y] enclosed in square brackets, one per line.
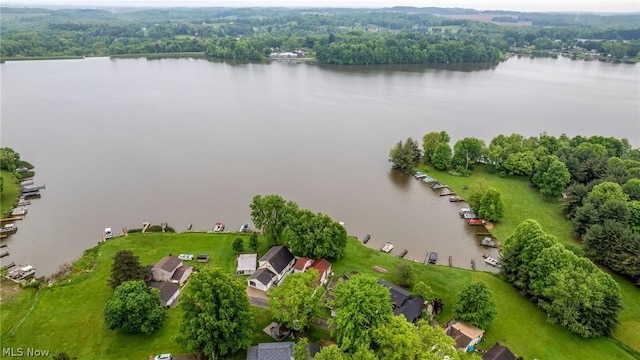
[431, 141]
[554, 180]
[491, 205]
[134, 308]
[217, 316]
[315, 236]
[272, 214]
[476, 306]
[360, 304]
[442, 157]
[126, 267]
[521, 163]
[295, 302]
[468, 151]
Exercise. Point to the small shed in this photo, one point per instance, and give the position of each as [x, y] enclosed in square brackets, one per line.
[246, 264]
[203, 258]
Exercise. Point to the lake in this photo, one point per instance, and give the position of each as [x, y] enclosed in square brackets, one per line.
[187, 141]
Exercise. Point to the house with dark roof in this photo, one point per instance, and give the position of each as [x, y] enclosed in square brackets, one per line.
[403, 301]
[272, 268]
[277, 351]
[465, 335]
[169, 292]
[170, 268]
[498, 352]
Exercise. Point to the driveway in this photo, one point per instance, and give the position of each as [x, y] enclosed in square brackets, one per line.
[258, 298]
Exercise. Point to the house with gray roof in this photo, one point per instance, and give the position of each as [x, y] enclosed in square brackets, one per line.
[169, 292]
[403, 301]
[272, 268]
[271, 351]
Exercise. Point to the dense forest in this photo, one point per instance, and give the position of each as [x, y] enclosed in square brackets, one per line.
[399, 35]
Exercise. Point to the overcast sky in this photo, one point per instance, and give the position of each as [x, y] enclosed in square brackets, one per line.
[516, 5]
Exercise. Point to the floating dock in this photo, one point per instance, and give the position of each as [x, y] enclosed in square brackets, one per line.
[8, 266]
[403, 253]
[11, 219]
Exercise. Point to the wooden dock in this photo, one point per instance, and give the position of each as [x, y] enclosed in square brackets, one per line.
[4, 254]
[11, 219]
[8, 266]
[450, 261]
[403, 253]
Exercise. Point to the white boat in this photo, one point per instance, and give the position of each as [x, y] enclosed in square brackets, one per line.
[9, 229]
[108, 234]
[20, 210]
[491, 261]
[244, 227]
[21, 273]
[487, 241]
[387, 247]
[219, 227]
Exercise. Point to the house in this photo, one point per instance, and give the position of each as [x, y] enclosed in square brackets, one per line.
[464, 335]
[170, 268]
[498, 352]
[403, 301]
[272, 268]
[277, 351]
[169, 292]
[246, 264]
[324, 269]
[271, 351]
[302, 264]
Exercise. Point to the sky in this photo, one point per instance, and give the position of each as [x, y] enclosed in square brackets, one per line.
[514, 5]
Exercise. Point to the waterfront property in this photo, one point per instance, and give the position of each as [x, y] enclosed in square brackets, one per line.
[273, 267]
[465, 335]
[171, 269]
[404, 302]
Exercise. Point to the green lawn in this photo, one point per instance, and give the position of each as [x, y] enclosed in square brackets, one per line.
[10, 192]
[72, 308]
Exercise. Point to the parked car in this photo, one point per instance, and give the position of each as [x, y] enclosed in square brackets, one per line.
[185, 256]
[163, 357]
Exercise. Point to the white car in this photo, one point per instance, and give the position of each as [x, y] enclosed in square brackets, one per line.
[184, 257]
[163, 357]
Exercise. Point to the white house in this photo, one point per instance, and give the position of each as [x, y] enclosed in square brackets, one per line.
[272, 268]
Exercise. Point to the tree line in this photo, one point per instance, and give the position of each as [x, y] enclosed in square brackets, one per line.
[337, 36]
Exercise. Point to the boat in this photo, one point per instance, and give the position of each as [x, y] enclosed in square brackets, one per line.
[492, 261]
[487, 241]
[244, 227]
[420, 175]
[32, 195]
[464, 211]
[9, 229]
[403, 253]
[21, 273]
[20, 210]
[469, 215]
[475, 222]
[428, 179]
[432, 258]
[455, 198]
[219, 227]
[438, 186]
[108, 234]
[366, 239]
[387, 247]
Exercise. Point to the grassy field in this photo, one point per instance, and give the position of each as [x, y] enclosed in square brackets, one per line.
[72, 308]
[10, 192]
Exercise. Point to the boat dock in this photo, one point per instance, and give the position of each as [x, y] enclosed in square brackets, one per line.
[4, 254]
[8, 266]
[403, 253]
[11, 219]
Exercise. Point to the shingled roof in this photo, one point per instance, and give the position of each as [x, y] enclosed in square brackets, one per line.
[263, 275]
[168, 263]
[279, 257]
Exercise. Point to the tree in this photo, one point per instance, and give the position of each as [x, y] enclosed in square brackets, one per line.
[606, 191]
[134, 308]
[398, 339]
[553, 178]
[360, 304]
[491, 205]
[217, 316]
[431, 141]
[301, 349]
[8, 159]
[405, 274]
[475, 305]
[424, 290]
[253, 242]
[468, 151]
[521, 163]
[295, 302]
[272, 214]
[403, 155]
[476, 192]
[238, 244]
[331, 352]
[442, 157]
[126, 267]
[315, 236]
[632, 188]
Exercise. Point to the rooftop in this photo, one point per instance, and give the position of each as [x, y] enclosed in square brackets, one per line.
[168, 263]
[279, 257]
[247, 261]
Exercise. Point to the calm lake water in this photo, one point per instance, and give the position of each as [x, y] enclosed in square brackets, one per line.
[119, 142]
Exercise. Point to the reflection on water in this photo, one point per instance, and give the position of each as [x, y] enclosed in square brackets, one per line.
[189, 141]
